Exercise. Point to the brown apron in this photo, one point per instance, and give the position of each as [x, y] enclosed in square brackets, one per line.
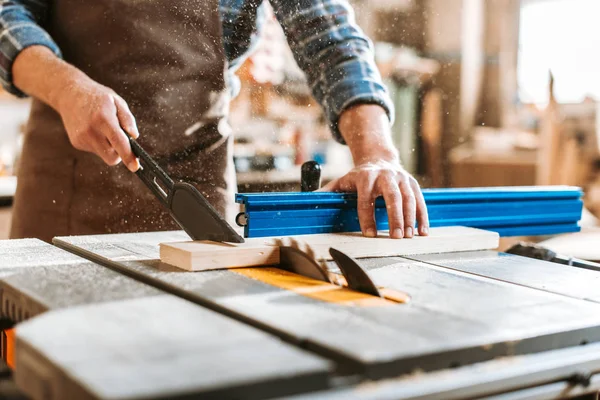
[166, 59]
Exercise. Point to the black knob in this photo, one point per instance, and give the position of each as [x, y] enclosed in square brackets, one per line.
[310, 179]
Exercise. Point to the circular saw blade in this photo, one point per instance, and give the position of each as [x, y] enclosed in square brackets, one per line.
[295, 260]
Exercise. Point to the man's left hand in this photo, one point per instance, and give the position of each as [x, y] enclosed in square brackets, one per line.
[378, 172]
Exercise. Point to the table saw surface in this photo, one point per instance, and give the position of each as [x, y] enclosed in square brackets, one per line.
[479, 324]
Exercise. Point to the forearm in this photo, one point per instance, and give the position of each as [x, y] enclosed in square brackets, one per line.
[366, 130]
[96, 119]
[38, 72]
[335, 55]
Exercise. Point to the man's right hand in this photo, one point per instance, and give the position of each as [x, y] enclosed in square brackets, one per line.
[96, 119]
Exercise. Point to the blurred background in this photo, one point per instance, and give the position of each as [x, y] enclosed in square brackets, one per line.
[487, 93]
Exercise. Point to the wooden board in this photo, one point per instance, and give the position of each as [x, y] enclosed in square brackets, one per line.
[206, 255]
[556, 278]
[155, 348]
[454, 317]
[200, 256]
[584, 245]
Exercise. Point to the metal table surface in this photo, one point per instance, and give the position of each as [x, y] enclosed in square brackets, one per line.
[87, 332]
[459, 318]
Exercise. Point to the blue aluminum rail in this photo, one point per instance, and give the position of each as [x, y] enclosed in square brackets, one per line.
[510, 211]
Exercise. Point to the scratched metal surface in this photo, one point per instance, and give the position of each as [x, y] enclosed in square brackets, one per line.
[455, 318]
[36, 276]
[547, 372]
[159, 347]
[27, 253]
[557, 278]
[87, 311]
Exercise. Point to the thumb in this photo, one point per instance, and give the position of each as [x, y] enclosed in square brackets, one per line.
[333, 186]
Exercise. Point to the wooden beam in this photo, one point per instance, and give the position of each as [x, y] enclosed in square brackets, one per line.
[201, 256]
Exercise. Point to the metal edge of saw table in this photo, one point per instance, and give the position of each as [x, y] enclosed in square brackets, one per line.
[556, 278]
[37, 278]
[149, 269]
[559, 373]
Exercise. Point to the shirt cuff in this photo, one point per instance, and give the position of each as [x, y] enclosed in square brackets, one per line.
[350, 94]
[13, 41]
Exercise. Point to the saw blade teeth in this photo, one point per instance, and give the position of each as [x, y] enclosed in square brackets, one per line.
[310, 251]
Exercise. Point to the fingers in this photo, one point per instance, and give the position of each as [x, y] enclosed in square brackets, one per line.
[102, 148]
[126, 119]
[422, 215]
[332, 186]
[409, 206]
[366, 204]
[107, 126]
[405, 204]
[117, 138]
[394, 205]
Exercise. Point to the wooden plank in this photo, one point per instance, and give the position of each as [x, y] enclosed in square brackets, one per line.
[206, 255]
[453, 318]
[155, 348]
[200, 256]
[582, 245]
[556, 278]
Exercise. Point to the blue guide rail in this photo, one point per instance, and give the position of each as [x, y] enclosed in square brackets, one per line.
[510, 211]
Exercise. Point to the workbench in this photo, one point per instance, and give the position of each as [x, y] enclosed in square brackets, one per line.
[101, 317]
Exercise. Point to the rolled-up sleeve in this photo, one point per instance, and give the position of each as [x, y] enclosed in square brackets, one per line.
[20, 27]
[335, 55]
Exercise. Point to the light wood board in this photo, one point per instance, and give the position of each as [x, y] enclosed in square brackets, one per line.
[584, 245]
[200, 256]
[453, 318]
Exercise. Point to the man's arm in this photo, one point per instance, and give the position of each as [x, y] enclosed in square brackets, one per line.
[338, 61]
[95, 117]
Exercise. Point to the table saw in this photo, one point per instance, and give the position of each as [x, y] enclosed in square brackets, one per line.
[100, 317]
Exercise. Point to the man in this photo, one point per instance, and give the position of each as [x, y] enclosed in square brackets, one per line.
[92, 66]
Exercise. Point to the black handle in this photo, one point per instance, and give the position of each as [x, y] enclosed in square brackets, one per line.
[310, 179]
[152, 174]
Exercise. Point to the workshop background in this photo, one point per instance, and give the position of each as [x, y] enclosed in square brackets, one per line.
[485, 90]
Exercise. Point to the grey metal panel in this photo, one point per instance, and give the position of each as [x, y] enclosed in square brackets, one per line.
[155, 348]
[520, 377]
[36, 276]
[130, 326]
[558, 390]
[557, 278]
[26, 253]
[454, 318]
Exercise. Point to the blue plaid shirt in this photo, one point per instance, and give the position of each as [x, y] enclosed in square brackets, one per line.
[329, 47]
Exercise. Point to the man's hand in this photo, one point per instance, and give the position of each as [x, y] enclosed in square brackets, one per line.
[377, 173]
[96, 119]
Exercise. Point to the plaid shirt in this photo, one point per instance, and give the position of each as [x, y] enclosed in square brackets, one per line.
[336, 57]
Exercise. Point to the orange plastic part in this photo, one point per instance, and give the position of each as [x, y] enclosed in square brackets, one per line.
[10, 347]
